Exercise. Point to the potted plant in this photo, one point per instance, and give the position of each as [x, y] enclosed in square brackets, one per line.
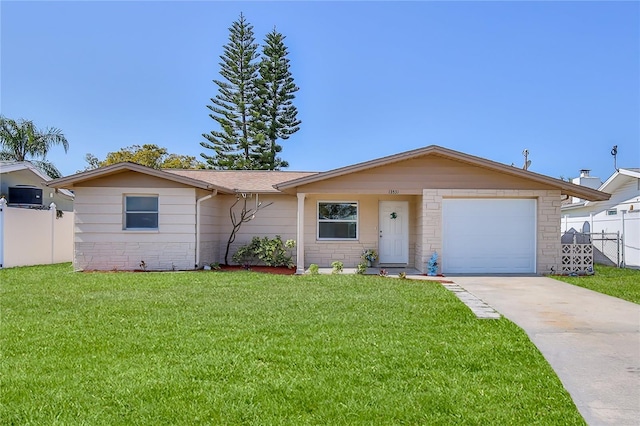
[369, 256]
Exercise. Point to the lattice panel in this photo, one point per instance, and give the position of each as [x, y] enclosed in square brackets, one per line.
[577, 258]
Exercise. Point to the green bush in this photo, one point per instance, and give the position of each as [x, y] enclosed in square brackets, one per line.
[337, 267]
[361, 268]
[314, 269]
[268, 251]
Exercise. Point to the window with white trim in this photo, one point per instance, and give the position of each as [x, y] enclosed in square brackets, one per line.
[337, 220]
[141, 212]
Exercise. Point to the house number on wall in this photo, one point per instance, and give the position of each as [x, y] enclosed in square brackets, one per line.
[394, 191]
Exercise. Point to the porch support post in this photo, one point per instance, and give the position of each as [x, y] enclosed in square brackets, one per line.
[300, 235]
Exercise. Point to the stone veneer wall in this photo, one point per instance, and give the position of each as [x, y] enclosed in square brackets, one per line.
[106, 256]
[327, 252]
[548, 247]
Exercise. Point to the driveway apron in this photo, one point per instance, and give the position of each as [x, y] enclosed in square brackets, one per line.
[591, 340]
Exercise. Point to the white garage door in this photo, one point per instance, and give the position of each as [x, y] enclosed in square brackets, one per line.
[488, 236]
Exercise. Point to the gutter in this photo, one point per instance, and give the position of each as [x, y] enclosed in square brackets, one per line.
[198, 230]
[573, 206]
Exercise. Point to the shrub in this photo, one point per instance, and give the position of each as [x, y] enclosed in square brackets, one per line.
[361, 268]
[314, 269]
[247, 255]
[269, 251]
[337, 267]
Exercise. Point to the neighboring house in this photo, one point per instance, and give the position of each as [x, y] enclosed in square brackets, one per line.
[30, 232]
[21, 181]
[620, 213]
[478, 215]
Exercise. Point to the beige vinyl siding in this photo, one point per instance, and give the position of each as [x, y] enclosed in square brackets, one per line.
[209, 230]
[323, 252]
[101, 242]
[277, 219]
[129, 179]
[411, 176]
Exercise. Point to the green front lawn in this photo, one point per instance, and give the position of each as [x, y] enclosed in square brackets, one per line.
[244, 348]
[617, 282]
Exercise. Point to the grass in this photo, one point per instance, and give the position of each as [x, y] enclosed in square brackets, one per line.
[245, 348]
[623, 283]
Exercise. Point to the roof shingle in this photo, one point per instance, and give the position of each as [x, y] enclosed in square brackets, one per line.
[261, 181]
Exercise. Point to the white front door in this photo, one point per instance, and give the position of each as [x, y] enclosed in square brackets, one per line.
[393, 232]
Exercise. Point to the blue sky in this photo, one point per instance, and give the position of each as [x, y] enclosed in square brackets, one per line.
[561, 79]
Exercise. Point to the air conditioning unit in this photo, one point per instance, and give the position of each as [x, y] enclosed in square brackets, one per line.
[25, 195]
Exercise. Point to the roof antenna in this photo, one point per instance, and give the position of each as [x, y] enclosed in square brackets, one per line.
[614, 152]
[527, 162]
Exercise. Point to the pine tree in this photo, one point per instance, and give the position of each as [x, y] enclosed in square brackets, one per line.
[233, 105]
[276, 116]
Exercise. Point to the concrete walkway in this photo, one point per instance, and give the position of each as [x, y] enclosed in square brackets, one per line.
[591, 340]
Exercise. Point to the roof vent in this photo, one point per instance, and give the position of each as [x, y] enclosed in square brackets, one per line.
[584, 173]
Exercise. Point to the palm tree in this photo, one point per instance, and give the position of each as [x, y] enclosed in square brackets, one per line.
[20, 140]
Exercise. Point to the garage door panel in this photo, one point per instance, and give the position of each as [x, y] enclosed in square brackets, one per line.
[488, 235]
[501, 266]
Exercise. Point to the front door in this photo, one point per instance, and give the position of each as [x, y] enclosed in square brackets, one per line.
[393, 232]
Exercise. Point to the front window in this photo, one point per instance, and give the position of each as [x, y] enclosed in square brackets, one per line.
[141, 212]
[337, 221]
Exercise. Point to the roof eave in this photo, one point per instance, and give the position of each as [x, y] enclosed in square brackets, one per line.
[629, 172]
[25, 165]
[583, 192]
[70, 181]
[256, 191]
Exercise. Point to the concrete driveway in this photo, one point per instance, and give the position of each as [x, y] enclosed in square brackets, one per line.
[591, 340]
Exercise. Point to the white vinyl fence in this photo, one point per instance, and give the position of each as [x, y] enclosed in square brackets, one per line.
[617, 237]
[34, 237]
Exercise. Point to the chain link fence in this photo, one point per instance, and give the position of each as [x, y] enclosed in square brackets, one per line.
[607, 247]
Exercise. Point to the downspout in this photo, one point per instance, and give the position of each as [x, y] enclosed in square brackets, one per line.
[300, 235]
[198, 227]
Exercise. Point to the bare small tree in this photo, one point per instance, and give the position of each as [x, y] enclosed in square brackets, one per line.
[246, 215]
